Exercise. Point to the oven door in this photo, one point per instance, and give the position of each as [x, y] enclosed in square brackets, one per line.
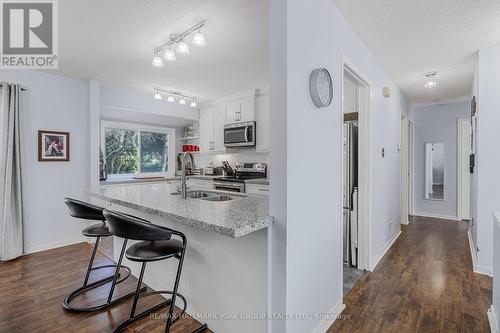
[229, 186]
[239, 134]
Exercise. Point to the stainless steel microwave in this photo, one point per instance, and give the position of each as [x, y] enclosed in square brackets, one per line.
[240, 134]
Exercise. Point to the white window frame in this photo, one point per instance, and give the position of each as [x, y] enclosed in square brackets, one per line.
[142, 128]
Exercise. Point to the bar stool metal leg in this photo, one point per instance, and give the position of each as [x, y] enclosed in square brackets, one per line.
[86, 286]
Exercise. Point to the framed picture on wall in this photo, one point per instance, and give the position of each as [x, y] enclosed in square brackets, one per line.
[53, 146]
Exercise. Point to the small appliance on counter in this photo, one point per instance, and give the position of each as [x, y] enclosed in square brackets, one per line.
[209, 170]
[234, 180]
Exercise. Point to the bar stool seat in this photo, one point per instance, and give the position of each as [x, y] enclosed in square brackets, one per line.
[97, 230]
[153, 251]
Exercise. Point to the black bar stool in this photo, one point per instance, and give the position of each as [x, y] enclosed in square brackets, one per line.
[157, 244]
[84, 210]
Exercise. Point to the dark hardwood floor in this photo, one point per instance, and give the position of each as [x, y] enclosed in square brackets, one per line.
[33, 287]
[425, 283]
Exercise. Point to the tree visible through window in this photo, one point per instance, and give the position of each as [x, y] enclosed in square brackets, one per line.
[131, 151]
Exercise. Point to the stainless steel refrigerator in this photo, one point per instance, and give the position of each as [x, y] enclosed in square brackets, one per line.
[350, 194]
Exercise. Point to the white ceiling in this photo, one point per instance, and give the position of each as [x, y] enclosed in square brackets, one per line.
[112, 41]
[412, 37]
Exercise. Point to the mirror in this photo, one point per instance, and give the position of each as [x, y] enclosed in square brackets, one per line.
[434, 171]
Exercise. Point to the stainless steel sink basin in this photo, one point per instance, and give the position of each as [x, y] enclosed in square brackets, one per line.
[201, 194]
[220, 197]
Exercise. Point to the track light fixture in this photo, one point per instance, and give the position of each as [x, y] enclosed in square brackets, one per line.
[181, 47]
[183, 98]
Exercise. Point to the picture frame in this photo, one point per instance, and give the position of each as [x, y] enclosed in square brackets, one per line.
[53, 146]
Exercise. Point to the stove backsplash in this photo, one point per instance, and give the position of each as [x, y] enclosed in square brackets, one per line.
[204, 160]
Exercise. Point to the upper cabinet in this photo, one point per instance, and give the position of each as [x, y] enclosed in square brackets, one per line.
[240, 110]
[245, 108]
[212, 130]
[262, 117]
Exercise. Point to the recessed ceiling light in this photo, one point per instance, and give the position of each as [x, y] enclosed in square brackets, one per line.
[430, 80]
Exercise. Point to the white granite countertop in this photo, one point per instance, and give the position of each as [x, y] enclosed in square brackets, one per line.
[233, 218]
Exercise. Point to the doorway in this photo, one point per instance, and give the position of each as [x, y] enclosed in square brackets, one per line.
[356, 185]
[463, 174]
[406, 169]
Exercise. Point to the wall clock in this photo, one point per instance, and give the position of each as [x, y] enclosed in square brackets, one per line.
[321, 87]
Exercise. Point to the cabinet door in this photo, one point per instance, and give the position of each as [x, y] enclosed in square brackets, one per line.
[262, 116]
[206, 130]
[247, 109]
[218, 126]
[232, 112]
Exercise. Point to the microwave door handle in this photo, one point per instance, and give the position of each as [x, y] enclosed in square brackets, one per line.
[246, 133]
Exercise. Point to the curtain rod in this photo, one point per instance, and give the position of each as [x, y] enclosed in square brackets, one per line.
[22, 89]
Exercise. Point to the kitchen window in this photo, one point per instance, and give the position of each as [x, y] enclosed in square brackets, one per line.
[132, 150]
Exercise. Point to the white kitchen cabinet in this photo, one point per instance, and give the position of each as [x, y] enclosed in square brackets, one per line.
[257, 189]
[262, 117]
[240, 110]
[212, 130]
[200, 183]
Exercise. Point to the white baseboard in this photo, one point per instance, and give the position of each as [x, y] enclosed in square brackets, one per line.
[54, 245]
[493, 320]
[437, 216]
[330, 318]
[386, 247]
[483, 270]
[472, 247]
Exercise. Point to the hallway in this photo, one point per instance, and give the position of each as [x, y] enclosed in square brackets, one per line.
[425, 283]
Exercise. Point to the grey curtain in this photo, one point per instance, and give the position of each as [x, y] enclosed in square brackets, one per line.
[11, 204]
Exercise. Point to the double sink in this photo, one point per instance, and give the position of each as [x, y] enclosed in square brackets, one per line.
[207, 195]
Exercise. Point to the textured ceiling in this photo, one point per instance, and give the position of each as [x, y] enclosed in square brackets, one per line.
[112, 41]
[412, 37]
[93, 34]
[234, 60]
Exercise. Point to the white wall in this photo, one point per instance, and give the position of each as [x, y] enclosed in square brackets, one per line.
[486, 181]
[310, 201]
[61, 104]
[495, 307]
[434, 124]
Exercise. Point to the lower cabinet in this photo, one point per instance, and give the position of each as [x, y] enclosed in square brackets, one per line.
[257, 189]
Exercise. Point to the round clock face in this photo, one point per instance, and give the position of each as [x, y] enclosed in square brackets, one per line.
[321, 87]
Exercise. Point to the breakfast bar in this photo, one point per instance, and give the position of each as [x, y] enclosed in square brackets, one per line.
[225, 272]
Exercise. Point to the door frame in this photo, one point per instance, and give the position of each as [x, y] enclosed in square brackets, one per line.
[405, 169]
[411, 166]
[364, 164]
[460, 170]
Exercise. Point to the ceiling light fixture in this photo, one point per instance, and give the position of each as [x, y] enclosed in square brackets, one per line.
[169, 55]
[157, 61]
[199, 40]
[172, 94]
[182, 47]
[431, 80]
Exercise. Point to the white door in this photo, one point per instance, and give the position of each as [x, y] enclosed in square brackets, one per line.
[463, 195]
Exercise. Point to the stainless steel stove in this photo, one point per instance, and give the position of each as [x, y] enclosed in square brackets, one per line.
[236, 182]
